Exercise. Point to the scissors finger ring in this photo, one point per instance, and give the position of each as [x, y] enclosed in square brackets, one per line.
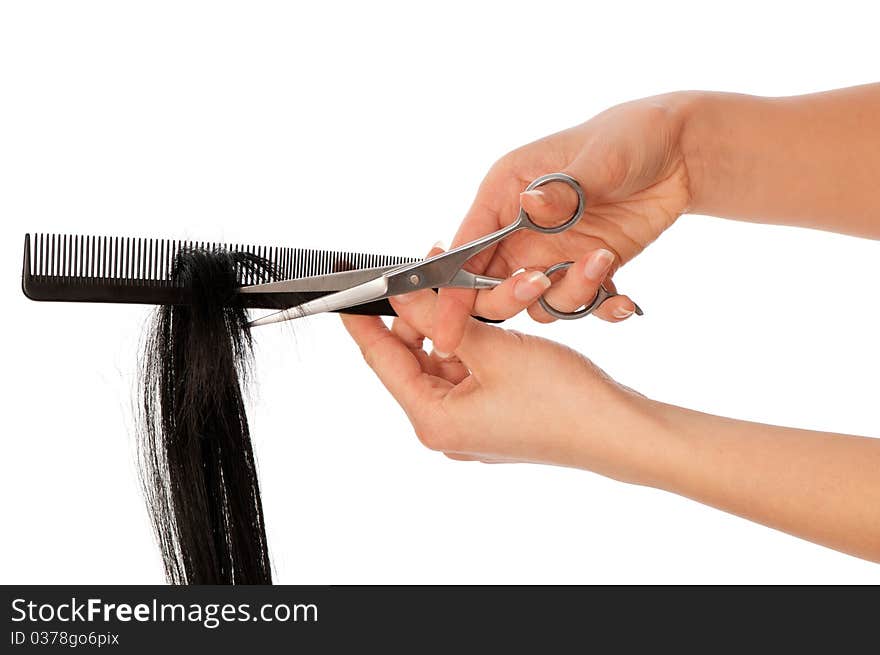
[601, 296]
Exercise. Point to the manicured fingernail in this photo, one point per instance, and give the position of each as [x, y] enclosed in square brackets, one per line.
[537, 195]
[598, 264]
[441, 354]
[622, 312]
[438, 244]
[530, 286]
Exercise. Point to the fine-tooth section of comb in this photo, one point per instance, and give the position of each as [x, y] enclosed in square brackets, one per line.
[80, 268]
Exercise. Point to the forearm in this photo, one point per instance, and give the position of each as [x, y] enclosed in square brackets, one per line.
[811, 161]
[819, 486]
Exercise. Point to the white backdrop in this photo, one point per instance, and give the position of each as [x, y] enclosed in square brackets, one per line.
[367, 126]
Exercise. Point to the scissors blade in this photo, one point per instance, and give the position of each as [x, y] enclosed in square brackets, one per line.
[442, 270]
[328, 282]
[375, 289]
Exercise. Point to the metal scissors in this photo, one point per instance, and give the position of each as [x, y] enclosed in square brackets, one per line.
[440, 271]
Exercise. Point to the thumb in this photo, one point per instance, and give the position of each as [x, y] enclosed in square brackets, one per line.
[613, 169]
[550, 204]
[603, 176]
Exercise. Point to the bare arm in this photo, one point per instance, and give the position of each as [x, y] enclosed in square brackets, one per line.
[819, 486]
[810, 161]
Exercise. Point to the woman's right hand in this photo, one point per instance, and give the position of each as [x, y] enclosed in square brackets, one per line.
[630, 163]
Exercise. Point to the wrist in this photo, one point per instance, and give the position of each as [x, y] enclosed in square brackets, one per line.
[635, 440]
[698, 144]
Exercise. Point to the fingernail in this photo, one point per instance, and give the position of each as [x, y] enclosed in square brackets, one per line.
[622, 312]
[438, 244]
[598, 264]
[403, 298]
[441, 354]
[530, 286]
[537, 195]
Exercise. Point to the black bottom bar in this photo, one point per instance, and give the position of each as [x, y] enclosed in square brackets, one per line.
[435, 619]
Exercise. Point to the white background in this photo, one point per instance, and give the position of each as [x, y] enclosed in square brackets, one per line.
[367, 126]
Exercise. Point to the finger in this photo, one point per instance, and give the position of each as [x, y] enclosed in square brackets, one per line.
[436, 249]
[483, 459]
[511, 296]
[578, 287]
[418, 309]
[412, 338]
[461, 458]
[454, 309]
[415, 341]
[494, 207]
[451, 369]
[549, 205]
[394, 364]
[616, 309]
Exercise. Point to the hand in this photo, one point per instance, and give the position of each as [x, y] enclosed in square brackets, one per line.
[509, 398]
[630, 164]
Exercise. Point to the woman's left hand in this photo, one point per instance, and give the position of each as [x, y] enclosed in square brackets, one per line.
[510, 397]
[505, 396]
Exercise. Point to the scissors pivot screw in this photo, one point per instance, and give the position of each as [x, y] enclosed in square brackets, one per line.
[414, 279]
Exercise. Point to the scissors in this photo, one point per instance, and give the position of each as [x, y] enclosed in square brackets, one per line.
[440, 271]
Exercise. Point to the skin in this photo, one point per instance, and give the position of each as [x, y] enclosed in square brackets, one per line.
[643, 164]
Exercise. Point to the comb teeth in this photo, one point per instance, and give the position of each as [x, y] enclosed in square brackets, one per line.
[82, 268]
[147, 261]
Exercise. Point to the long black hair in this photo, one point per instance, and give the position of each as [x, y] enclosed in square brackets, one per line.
[195, 455]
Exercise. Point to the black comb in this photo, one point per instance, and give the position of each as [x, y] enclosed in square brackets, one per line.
[78, 268]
